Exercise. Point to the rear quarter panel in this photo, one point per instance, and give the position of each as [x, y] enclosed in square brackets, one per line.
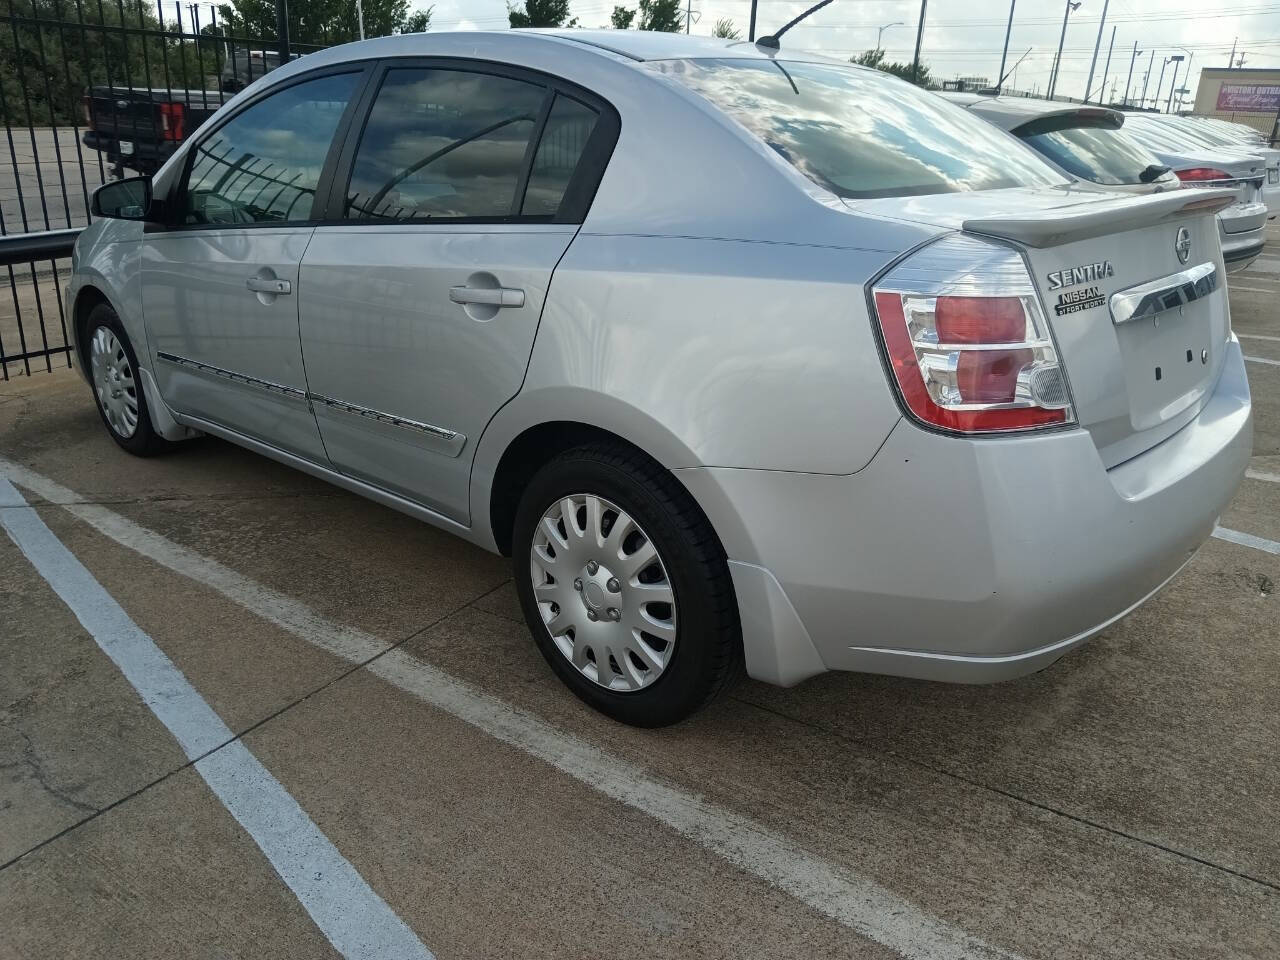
[708, 353]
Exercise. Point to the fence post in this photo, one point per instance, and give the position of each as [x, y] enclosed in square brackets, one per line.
[282, 30]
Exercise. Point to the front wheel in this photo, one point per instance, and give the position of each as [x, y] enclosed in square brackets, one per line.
[625, 586]
[113, 374]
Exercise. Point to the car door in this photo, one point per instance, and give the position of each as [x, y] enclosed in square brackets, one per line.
[219, 278]
[421, 293]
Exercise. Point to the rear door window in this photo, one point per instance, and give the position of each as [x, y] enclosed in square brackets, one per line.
[444, 144]
[861, 133]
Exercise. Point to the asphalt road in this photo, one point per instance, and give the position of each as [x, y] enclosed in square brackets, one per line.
[415, 753]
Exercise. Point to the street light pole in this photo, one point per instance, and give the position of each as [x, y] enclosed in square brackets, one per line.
[881, 30]
[1096, 45]
[751, 29]
[1102, 87]
[1176, 60]
[1155, 101]
[1057, 62]
[1128, 83]
[1146, 78]
[1186, 77]
[1005, 53]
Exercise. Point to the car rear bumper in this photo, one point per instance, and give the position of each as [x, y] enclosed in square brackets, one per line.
[969, 560]
[1241, 249]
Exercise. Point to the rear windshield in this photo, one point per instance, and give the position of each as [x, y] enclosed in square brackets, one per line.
[1097, 154]
[860, 133]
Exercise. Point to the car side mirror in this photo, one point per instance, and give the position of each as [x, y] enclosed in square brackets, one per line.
[128, 199]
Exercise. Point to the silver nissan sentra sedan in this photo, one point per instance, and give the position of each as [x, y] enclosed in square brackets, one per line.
[748, 359]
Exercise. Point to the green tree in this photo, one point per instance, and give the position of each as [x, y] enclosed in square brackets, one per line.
[875, 58]
[320, 22]
[621, 18]
[541, 13]
[56, 58]
[725, 30]
[666, 16]
[417, 22]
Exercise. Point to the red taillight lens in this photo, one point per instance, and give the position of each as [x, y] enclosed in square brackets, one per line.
[980, 320]
[1201, 174]
[973, 359]
[172, 118]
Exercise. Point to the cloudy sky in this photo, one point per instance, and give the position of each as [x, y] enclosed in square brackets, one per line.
[965, 38]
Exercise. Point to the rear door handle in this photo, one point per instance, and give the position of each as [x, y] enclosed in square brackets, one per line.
[264, 285]
[488, 296]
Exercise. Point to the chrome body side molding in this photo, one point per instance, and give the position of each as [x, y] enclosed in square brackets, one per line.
[241, 378]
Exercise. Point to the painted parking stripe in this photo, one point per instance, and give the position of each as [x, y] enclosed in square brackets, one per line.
[853, 900]
[1236, 286]
[1257, 336]
[355, 920]
[1272, 363]
[1261, 475]
[1247, 540]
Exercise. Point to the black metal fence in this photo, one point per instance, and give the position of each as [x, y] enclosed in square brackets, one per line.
[91, 90]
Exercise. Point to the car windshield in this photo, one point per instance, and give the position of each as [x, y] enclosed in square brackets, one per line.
[1096, 154]
[861, 133]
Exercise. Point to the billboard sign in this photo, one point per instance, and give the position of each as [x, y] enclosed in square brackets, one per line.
[1249, 98]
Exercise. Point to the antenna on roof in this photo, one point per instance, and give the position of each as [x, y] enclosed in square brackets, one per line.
[1000, 82]
[771, 42]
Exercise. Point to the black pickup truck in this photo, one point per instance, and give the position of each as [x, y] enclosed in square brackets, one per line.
[140, 128]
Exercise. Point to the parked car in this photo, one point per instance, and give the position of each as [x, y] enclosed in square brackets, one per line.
[1085, 143]
[745, 357]
[1203, 132]
[1093, 145]
[1244, 223]
[241, 67]
[140, 128]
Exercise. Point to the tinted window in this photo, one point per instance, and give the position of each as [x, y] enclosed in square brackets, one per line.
[1096, 154]
[862, 133]
[264, 164]
[568, 127]
[443, 144]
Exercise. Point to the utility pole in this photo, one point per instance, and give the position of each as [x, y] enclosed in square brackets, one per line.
[1151, 65]
[688, 14]
[1155, 101]
[282, 30]
[1102, 87]
[1004, 55]
[1096, 45]
[1128, 83]
[1057, 61]
[1232, 59]
[360, 17]
[915, 64]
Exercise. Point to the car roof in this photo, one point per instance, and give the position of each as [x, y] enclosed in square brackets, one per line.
[658, 45]
[1011, 112]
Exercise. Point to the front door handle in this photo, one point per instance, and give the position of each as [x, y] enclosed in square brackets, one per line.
[488, 296]
[272, 285]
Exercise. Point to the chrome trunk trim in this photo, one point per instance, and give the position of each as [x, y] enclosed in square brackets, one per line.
[1157, 296]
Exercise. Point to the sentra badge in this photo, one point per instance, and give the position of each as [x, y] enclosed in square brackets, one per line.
[1085, 273]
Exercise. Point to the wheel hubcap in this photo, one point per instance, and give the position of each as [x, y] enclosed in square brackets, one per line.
[603, 593]
[113, 382]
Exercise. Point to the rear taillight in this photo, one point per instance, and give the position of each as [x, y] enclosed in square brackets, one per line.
[1202, 175]
[172, 116]
[967, 342]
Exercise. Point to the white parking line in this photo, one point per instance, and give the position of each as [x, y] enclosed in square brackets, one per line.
[1273, 363]
[1257, 336]
[1237, 286]
[355, 920]
[849, 898]
[1259, 475]
[1247, 540]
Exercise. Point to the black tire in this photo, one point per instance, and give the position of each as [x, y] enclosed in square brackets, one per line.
[144, 441]
[706, 657]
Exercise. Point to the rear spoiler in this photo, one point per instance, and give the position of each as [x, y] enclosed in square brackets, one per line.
[1054, 227]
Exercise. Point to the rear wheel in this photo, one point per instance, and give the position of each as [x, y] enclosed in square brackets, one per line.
[625, 586]
[113, 373]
